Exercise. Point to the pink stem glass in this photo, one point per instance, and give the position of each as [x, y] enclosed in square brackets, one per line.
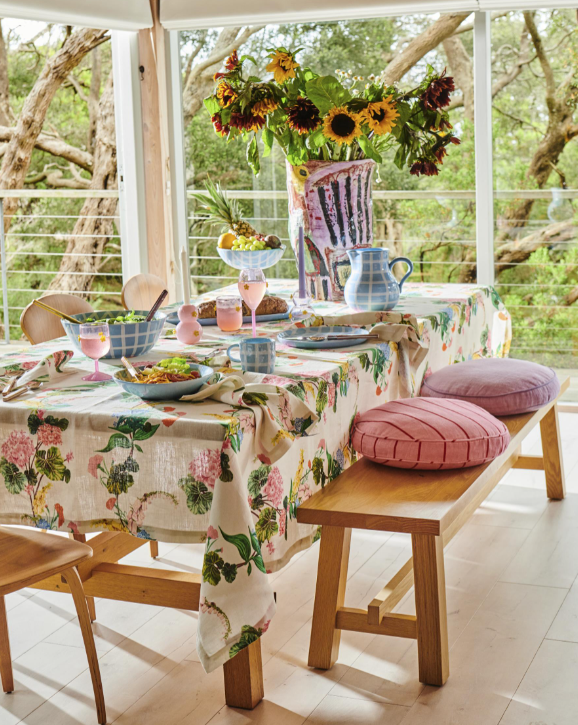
[253, 321]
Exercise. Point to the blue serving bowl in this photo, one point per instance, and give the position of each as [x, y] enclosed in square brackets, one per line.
[165, 391]
[126, 340]
[259, 259]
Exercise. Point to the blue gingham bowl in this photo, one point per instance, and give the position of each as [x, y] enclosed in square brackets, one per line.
[244, 259]
[165, 391]
[129, 339]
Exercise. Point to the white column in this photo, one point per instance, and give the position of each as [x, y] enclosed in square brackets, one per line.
[129, 149]
[178, 177]
[484, 149]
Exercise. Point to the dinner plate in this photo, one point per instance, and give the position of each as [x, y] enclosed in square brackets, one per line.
[173, 318]
[303, 333]
[165, 391]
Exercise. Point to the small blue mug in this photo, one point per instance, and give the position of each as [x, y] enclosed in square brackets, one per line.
[257, 355]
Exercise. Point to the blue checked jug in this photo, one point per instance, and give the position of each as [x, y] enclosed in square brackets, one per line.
[371, 285]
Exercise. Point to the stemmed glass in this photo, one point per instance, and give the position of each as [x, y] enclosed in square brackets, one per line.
[252, 286]
[94, 343]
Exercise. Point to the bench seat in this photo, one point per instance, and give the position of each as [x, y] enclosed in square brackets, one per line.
[432, 506]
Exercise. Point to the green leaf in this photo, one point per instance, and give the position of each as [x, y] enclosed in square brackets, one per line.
[253, 155]
[14, 479]
[316, 139]
[255, 542]
[257, 479]
[61, 423]
[116, 440]
[230, 572]
[248, 57]
[267, 526]
[268, 138]
[368, 149]
[51, 464]
[212, 565]
[326, 92]
[240, 541]
[34, 423]
[119, 479]
[212, 105]
[259, 563]
[255, 398]
[199, 498]
[248, 636]
[148, 431]
[226, 473]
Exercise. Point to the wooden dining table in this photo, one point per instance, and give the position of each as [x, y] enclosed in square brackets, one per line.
[227, 472]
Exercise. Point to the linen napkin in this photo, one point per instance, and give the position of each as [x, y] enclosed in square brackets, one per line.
[280, 415]
[49, 367]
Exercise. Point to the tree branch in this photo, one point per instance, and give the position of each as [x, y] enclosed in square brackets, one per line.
[55, 147]
[465, 27]
[542, 57]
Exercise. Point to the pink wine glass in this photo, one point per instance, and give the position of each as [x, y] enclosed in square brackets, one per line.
[94, 343]
[252, 286]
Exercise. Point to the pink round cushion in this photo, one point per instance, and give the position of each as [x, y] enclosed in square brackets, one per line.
[500, 385]
[429, 434]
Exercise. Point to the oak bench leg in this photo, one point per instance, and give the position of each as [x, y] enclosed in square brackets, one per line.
[430, 605]
[89, 600]
[552, 453]
[329, 596]
[5, 658]
[154, 545]
[244, 678]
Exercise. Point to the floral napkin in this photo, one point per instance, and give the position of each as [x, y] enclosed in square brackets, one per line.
[281, 415]
[49, 368]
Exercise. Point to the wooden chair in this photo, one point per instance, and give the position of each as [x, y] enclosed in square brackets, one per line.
[41, 326]
[431, 506]
[27, 557]
[142, 291]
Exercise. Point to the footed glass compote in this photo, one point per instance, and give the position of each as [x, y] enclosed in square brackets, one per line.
[95, 343]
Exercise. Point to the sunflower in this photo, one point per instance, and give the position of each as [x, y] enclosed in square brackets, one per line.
[282, 66]
[220, 128]
[303, 116]
[226, 94]
[437, 94]
[342, 126]
[264, 102]
[246, 122]
[423, 167]
[380, 116]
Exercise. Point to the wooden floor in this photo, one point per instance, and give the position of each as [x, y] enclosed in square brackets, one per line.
[512, 588]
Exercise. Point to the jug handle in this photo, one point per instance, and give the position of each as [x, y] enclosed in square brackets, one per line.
[410, 270]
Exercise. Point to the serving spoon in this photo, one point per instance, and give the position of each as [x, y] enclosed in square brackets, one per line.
[32, 385]
[329, 338]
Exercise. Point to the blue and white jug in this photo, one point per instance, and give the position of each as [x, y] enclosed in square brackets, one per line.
[372, 285]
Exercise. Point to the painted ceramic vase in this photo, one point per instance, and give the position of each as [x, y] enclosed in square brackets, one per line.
[371, 285]
[189, 329]
[332, 200]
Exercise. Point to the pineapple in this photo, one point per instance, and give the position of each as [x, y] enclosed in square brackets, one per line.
[222, 210]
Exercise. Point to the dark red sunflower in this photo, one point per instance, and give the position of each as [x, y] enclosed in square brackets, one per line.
[440, 153]
[222, 130]
[246, 122]
[226, 94]
[232, 61]
[303, 116]
[437, 94]
[423, 167]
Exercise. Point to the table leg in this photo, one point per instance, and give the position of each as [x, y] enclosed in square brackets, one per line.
[430, 606]
[154, 549]
[329, 596]
[5, 658]
[244, 678]
[552, 453]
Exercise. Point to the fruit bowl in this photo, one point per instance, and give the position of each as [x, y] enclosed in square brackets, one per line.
[246, 259]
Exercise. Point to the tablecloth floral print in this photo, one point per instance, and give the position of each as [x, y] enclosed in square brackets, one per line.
[85, 457]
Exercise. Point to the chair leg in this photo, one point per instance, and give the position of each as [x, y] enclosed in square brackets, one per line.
[89, 600]
[552, 454]
[72, 578]
[244, 678]
[430, 606]
[329, 596]
[154, 549]
[5, 659]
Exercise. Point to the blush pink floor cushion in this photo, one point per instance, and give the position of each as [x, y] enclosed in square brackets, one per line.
[500, 385]
[431, 434]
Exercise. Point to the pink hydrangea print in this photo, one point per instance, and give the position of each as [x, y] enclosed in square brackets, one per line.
[273, 489]
[18, 448]
[49, 435]
[330, 395]
[93, 464]
[212, 533]
[206, 467]
[282, 517]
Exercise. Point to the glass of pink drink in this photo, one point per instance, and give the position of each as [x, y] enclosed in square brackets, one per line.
[229, 313]
[94, 343]
[252, 286]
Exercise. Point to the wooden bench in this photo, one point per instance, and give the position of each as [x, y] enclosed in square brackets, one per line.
[432, 506]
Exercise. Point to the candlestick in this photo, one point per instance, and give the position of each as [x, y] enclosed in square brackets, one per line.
[185, 276]
[302, 287]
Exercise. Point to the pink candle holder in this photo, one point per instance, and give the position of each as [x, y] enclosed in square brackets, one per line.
[189, 330]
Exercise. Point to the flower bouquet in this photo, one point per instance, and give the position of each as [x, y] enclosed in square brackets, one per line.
[329, 118]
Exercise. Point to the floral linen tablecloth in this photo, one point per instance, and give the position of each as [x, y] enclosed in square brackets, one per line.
[86, 457]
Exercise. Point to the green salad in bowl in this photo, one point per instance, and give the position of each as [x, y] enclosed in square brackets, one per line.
[131, 316]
